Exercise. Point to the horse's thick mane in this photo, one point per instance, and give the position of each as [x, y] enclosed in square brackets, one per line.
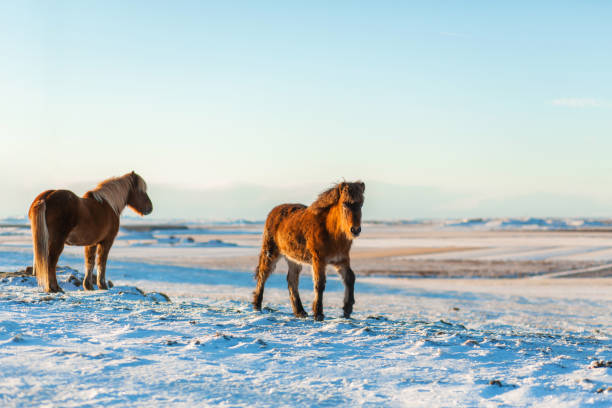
[331, 196]
[115, 190]
[326, 199]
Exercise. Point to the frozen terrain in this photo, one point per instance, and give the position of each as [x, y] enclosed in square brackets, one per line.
[410, 342]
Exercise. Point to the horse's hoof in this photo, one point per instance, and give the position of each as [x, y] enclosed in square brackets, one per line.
[319, 318]
[102, 286]
[257, 307]
[302, 314]
[347, 315]
[87, 286]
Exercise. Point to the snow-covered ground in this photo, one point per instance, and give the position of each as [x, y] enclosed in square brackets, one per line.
[410, 342]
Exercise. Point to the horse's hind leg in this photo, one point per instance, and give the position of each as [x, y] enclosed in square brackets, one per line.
[103, 250]
[293, 279]
[90, 260]
[267, 262]
[56, 246]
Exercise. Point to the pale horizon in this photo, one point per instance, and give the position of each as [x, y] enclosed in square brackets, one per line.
[384, 202]
[489, 108]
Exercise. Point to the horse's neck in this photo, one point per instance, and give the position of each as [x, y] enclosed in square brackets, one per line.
[116, 207]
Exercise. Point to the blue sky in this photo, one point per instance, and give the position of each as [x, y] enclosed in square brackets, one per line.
[482, 100]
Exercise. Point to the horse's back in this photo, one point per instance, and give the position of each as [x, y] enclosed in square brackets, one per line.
[282, 213]
[288, 229]
[61, 208]
[57, 199]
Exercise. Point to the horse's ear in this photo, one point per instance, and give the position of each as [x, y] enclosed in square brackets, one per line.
[362, 186]
[133, 172]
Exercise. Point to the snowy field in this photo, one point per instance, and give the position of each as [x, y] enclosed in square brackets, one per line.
[410, 342]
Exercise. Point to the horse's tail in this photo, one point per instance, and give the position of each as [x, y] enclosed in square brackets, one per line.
[40, 237]
[267, 260]
[267, 248]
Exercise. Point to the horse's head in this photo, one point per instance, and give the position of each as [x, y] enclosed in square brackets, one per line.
[343, 202]
[138, 199]
[351, 199]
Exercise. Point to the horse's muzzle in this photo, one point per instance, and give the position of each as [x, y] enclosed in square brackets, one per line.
[355, 231]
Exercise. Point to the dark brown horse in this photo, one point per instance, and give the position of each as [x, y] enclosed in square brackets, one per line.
[318, 235]
[60, 217]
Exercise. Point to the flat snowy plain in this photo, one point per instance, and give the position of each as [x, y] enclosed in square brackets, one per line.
[410, 342]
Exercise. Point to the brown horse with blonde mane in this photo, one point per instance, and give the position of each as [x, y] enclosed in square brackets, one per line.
[318, 235]
[60, 217]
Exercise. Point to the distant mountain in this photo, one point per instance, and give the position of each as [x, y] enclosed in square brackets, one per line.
[384, 201]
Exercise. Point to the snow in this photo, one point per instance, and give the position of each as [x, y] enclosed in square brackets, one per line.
[410, 342]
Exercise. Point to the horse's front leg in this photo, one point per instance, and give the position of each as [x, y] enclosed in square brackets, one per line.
[318, 276]
[348, 277]
[90, 260]
[103, 249]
